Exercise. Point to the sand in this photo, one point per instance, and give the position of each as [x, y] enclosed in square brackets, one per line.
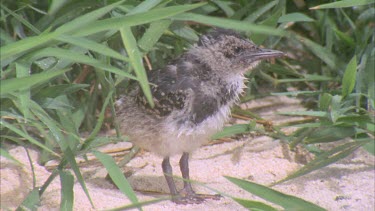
[346, 185]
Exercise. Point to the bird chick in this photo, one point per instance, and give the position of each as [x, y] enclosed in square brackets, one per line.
[193, 96]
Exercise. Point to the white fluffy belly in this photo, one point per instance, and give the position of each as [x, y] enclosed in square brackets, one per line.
[179, 138]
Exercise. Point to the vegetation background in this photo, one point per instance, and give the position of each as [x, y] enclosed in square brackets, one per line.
[64, 62]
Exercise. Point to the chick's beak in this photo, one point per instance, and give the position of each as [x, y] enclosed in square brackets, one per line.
[261, 54]
[253, 57]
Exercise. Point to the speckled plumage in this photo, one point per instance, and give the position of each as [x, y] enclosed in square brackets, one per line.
[192, 95]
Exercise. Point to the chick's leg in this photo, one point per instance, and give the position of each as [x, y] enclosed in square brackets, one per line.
[187, 192]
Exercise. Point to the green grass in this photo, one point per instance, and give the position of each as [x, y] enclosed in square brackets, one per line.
[65, 62]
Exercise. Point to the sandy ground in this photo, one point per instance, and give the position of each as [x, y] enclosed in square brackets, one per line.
[346, 185]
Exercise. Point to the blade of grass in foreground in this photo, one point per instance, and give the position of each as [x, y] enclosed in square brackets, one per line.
[144, 6]
[228, 23]
[295, 17]
[55, 129]
[348, 81]
[270, 21]
[138, 204]
[26, 44]
[330, 134]
[21, 19]
[26, 136]
[22, 70]
[92, 45]
[4, 153]
[135, 56]
[323, 53]
[136, 19]
[70, 157]
[14, 84]
[116, 175]
[31, 201]
[232, 130]
[87, 18]
[288, 202]
[67, 194]
[341, 4]
[259, 12]
[152, 34]
[305, 113]
[79, 58]
[254, 205]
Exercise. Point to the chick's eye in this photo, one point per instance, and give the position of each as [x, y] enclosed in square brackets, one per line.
[233, 52]
[237, 50]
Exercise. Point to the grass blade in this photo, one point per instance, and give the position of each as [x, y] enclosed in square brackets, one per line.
[79, 58]
[295, 17]
[53, 91]
[136, 19]
[370, 146]
[323, 53]
[21, 19]
[144, 6]
[330, 134]
[22, 46]
[262, 10]
[297, 93]
[69, 156]
[305, 113]
[341, 4]
[254, 205]
[87, 18]
[55, 128]
[152, 34]
[26, 136]
[12, 49]
[99, 123]
[138, 204]
[6, 154]
[348, 81]
[22, 70]
[230, 24]
[91, 45]
[14, 84]
[135, 57]
[231, 130]
[116, 175]
[31, 201]
[225, 7]
[345, 38]
[326, 159]
[288, 202]
[271, 22]
[67, 194]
